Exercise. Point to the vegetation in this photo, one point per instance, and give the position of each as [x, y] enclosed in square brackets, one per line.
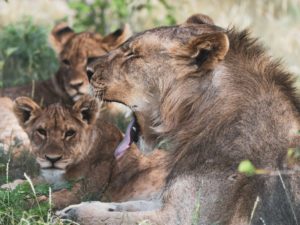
[25, 54]
[105, 15]
[23, 204]
[19, 206]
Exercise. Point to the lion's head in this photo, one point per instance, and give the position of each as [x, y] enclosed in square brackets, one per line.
[60, 135]
[151, 69]
[76, 50]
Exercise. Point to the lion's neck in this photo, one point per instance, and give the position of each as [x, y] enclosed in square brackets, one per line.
[212, 126]
[136, 176]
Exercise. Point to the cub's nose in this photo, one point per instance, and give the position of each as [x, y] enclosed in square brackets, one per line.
[89, 72]
[53, 159]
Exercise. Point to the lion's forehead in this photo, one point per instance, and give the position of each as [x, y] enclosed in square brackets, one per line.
[83, 46]
[57, 118]
[179, 33]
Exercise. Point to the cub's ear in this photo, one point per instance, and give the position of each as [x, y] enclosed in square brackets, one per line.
[199, 19]
[87, 109]
[26, 110]
[60, 34]
[204, 51]
[118, 37]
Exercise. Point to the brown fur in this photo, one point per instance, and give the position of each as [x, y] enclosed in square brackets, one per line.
[217, 97]
[87, 156]
[75, 50]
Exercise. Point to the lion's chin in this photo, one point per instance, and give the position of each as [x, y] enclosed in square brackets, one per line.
[53, 176]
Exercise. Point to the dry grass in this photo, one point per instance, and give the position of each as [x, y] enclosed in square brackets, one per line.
[43, 12]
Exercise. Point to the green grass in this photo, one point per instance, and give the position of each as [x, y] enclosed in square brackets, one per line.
[24, 162]
[21, 206]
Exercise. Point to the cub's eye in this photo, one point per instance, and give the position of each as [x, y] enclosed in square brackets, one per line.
[42, 131]
[70, 133]
[66, 62]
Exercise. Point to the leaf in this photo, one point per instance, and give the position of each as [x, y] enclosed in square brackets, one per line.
[10, 51]
[1, 64]
[293, 156]
[247, 168]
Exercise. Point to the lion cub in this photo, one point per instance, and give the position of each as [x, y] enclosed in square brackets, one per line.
[72, 144]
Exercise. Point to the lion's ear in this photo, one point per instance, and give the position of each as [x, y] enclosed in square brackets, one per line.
[204, 51]
[26, 110]
[199, 19]
[87, 109]
[118, 37]
[59, 36]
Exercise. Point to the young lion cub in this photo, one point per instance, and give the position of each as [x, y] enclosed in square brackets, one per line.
[73, 144]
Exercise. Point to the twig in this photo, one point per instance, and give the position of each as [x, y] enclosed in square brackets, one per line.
[288, 197]
[254, 209]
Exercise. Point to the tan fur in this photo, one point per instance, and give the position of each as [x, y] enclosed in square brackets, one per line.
[10, 131]
[87, 156]
[217, 98]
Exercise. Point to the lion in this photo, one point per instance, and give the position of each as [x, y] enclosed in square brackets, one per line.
[75, 51]
[74, 144]
[216, 98]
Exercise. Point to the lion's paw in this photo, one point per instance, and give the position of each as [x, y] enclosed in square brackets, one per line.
[86, 209]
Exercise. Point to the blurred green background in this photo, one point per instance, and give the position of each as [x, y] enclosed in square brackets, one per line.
[26, 55]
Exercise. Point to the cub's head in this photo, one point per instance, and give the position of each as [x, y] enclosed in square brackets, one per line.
[76, 50]
[153, 71]
[60, 136]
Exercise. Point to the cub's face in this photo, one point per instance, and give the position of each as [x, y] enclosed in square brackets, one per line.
[151, 66]
[76, 50]
[59, 135]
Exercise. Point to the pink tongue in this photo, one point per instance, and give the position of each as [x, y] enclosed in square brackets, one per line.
[125, 143]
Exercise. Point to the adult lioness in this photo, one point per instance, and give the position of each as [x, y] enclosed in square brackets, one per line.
[75, 144]
[217, 98]
[75, 51]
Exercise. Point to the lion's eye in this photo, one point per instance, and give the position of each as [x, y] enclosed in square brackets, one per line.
[91, 59]
[70, 133]
[66, 62]
[42, 131]
[129, 54]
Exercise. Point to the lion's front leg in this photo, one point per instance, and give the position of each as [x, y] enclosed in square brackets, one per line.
[177, 208]
[97, 213]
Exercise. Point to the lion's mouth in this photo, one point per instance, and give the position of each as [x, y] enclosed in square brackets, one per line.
[46, 165]
[52, 168]
[131, 135]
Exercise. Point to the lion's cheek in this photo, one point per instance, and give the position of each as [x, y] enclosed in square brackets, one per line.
[77, 153]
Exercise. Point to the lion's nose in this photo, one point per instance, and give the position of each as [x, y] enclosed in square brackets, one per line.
[89, 72]
[53, 159]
